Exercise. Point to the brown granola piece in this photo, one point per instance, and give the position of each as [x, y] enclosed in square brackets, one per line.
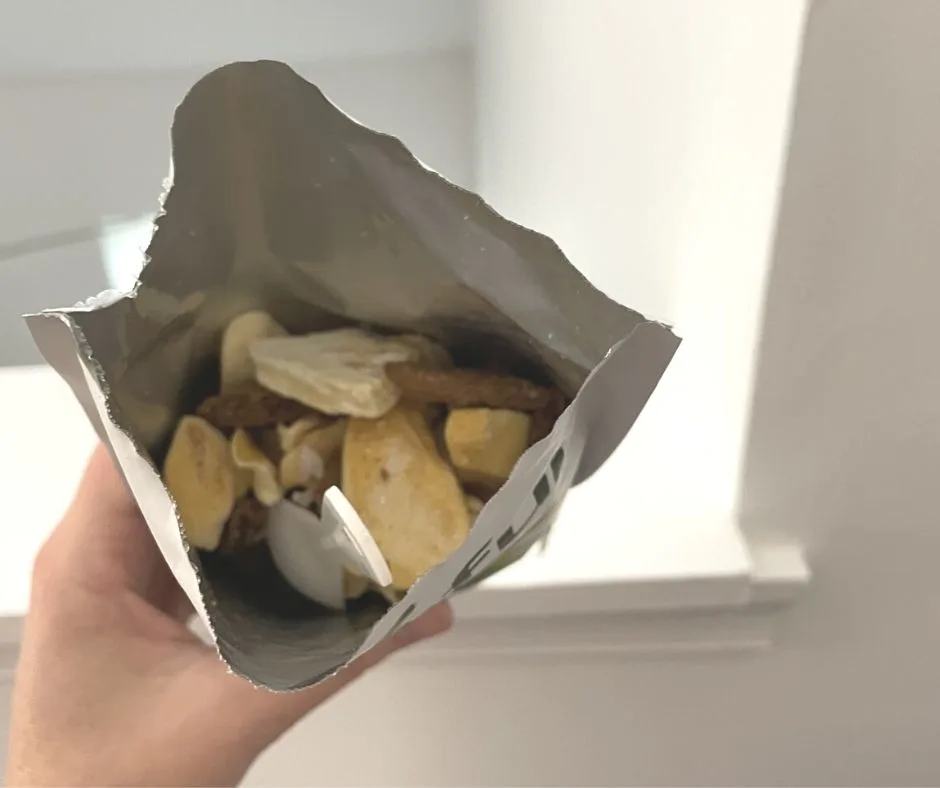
[467, 388]
[251, 406]
[544, 418]
[246, 526]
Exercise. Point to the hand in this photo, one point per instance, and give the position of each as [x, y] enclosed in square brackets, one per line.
[113, 689]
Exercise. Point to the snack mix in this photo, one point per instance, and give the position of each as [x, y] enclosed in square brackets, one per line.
[415, 444]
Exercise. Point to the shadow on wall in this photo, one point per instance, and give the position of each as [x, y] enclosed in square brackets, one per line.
[58, 277]
[846, 404]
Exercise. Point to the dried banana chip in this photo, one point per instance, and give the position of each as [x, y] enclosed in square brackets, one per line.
[405, 492]
[236, 366]
[305, 464]
[200, 476]
[248, 457]
[289, 435]
[301, 467]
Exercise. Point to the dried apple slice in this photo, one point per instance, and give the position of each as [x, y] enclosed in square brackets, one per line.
[339, 372]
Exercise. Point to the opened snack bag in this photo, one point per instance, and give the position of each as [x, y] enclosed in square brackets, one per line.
[343, 388]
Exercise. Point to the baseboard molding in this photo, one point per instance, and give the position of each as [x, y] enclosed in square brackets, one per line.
[593, 622]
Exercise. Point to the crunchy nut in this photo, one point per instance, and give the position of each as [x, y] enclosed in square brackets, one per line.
[200, 476]
[467, 388]
[245, 527]
[251, 406]
[484, 445]
[306, 462]
[249, 457]
[236, 367]
[340, 372]
[405, 492]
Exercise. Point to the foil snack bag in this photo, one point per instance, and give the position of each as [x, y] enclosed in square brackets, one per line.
[278, 201]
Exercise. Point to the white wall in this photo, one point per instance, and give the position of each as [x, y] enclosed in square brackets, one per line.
[842, 442]
[82, 148]
[648, 140]
[76, 149]
[843, 447]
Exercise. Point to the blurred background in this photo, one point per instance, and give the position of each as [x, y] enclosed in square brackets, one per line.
[763, 175]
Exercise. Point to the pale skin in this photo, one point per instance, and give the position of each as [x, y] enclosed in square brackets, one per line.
[113, 689]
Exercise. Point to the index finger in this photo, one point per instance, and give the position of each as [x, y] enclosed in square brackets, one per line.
[103, 538]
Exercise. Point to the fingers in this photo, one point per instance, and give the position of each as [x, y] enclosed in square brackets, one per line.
[103, 486]
[265, 715]
[103, 541]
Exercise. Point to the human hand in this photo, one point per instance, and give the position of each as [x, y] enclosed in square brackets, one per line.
[113, 689]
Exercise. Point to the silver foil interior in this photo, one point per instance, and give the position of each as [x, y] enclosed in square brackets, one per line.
[280, 201]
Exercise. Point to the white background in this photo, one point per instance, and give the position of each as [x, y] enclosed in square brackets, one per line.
[840, 444]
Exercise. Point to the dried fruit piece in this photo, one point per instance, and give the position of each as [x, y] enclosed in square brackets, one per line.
[543, 420]
[289, 435]
[266, 438]
[245, 527]
[300, 467]
[251, 406]
[467, 388]
[236, 366]
[244, 481]
[338, 372]
[200, 476]
[484, 444]
[405, 492]
[305, 464]
[332, 477]
[430, 353]
[249, 457]
[474, 506]
[354, 586]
